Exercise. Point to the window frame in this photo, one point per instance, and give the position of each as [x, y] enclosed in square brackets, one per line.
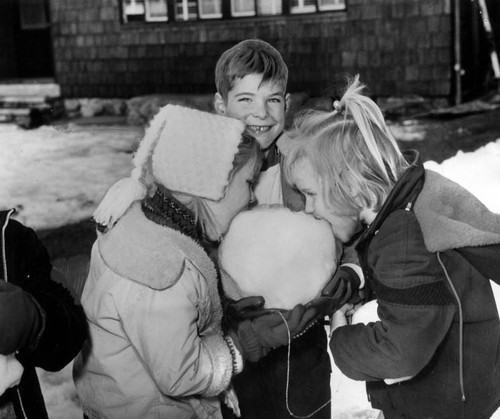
[227, 12]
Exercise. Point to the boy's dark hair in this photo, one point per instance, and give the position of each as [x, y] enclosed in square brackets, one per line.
[252, 56]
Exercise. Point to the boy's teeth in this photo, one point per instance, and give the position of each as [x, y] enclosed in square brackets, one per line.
[258, 128]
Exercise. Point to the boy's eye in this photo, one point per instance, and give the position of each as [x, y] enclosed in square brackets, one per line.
[244, 99]
[275, 100]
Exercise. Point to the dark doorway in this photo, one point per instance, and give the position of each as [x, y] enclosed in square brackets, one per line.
[26, 40]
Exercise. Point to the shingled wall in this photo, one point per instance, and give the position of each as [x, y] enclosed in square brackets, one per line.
[398, 47]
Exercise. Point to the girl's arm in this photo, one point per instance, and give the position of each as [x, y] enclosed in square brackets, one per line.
[416, 309]
[176, 337]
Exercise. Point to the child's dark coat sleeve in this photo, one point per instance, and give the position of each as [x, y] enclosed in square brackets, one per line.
[52, 335]
[416, 308]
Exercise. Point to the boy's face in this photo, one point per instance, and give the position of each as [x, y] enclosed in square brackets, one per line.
[260, 107]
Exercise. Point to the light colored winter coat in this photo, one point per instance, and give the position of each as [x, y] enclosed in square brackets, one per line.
[156, 348]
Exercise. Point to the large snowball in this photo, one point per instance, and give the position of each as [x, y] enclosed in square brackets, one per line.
[286, 257]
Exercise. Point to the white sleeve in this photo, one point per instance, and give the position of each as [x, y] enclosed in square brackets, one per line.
[268, 188]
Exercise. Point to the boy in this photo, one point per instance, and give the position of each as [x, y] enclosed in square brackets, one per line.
[251, 80]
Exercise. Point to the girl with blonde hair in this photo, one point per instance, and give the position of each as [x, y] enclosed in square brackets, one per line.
[427, 248]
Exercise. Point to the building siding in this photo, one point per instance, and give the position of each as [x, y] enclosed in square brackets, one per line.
[398, 47]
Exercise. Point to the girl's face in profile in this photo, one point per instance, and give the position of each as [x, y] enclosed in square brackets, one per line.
[344, 226]
[239, 193]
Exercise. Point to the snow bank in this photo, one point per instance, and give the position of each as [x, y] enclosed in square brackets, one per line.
[58, 176]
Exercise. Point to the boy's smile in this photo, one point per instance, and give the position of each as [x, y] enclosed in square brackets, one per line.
[260, 106]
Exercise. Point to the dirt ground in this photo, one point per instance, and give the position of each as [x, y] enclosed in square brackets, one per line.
[440, 136]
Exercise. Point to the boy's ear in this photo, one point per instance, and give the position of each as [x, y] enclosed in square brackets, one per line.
[219, 105]
[288, 99]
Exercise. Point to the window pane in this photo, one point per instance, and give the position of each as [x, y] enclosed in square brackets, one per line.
[133, 10]
[331, 4]
[242, 8]
[156, 10]
[210, 9]
[185, 10]
[269, 7]
[33, 14]
[303, 6]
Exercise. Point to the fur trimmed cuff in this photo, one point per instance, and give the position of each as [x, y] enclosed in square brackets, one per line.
[222, 364]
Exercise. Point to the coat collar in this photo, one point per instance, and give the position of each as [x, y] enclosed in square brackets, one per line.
[148, 253]
[450, 216]
[402, 195]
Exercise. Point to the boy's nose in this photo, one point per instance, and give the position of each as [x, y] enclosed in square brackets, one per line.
[259, 110]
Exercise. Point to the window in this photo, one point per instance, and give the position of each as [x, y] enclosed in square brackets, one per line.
[331, 4]
[303, 6]
[269, 7]
[33, 14]
[195, 10]
[185, 10]
[242, 8]
[210, 9]
[156, 10]
[145, 10]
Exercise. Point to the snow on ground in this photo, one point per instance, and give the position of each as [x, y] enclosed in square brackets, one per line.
[56, 176]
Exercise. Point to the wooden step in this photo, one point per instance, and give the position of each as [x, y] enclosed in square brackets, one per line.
[30, 88]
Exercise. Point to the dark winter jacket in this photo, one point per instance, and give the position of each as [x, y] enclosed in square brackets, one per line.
[50, 328]
[428, 257]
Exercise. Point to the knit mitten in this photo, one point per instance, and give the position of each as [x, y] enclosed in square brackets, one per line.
[254, 338]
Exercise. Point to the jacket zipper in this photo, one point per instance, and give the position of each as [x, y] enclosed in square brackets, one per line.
[6, 279]
[461, 327]
[21, 402]
[4, 255]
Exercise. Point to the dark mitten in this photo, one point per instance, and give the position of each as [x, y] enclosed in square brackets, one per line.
[246, 308]
[20, 319]
[236, 311]
[342, 288]
[256, 337]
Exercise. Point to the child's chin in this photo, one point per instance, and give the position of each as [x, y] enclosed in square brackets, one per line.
[265, 142]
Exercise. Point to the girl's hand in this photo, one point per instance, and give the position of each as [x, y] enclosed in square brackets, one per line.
[340, 317]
